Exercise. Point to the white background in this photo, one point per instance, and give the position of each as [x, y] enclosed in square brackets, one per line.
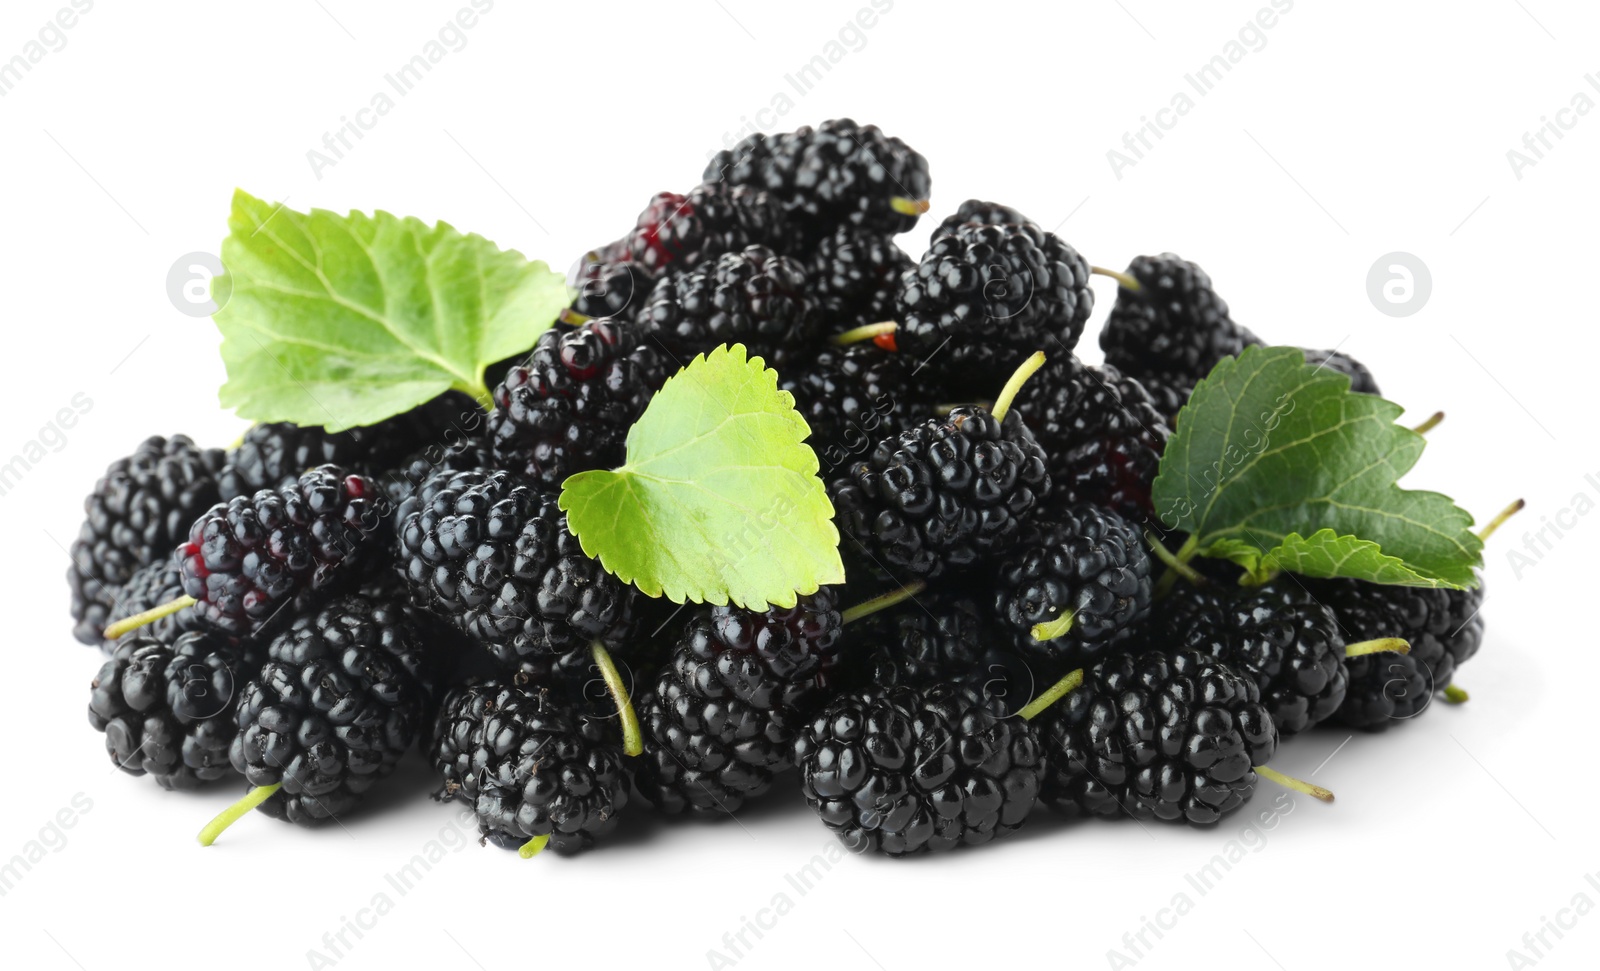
[1360, 128]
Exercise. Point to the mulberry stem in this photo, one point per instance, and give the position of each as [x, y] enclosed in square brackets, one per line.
[570, 316]
[147, 617]
[531, 849]
[865, 332]
[1051, 629]
[1429, 425]
[1159, 550]
[1052, 695]
[909, 207]
[1002, 402]
[1498, 521]
[1455, 694]
[1126, 281]
[231, 815]
[632, 736]
[1393, 645]
[1290, 782]
[882, 602]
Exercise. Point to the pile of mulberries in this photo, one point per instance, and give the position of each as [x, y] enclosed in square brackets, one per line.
[290, 618]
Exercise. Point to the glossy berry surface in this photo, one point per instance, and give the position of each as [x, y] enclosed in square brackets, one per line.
[139, 510]
[568, 408]
[905, 771]
[942, 495]
[247, 558]
[1172, 736]
[753, 296]
[1082, 560]
[1175, 323]
[166, 707]
[492, 555]
[528, 765]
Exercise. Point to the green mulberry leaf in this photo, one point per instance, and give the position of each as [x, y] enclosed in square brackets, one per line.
[344, 320]
[719, 499]
[1276, 464]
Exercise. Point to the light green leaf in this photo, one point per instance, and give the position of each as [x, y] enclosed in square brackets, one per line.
[719, 500]
[344, 320]
[1322, 554]
[1270, 450]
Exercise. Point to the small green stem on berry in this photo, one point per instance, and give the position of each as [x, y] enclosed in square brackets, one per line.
[147, 617]
[572, 317]
[1391, 645]
[1182, 569]
[1290, 782]
[865, 332]
[882, 602]
[1455, 694]
[1126, 281]
[531, 849]
[1498, 521]
[632, 735]
[1049, 630]
[1429, 425]
[1052, 695]
[909, 207]
[1002, 402]
[1184, 555]
[229, 816]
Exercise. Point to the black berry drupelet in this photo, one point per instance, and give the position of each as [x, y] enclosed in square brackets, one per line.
[1168, 393]
[903, 771]
[1280, 635]
[139, 510]
[1175, 736]
[1102, 432]
[159, 583]
[709, 755]
[767, 659]
[1441, 626]
[529, 766]
[1361, 380]
[465, 454]
[274, 455]
[610, 288]
[852, 397]
[754, 297]
[943, 636]
[166, 707]
[248, 557]
[942, 495]
[493, 555]
[678, 231]
[977, 212]
[344, 692]
[856, 276]
[985, 295]
[1175, 323]
[568, 408]
[1084, 573]
[838, 173]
